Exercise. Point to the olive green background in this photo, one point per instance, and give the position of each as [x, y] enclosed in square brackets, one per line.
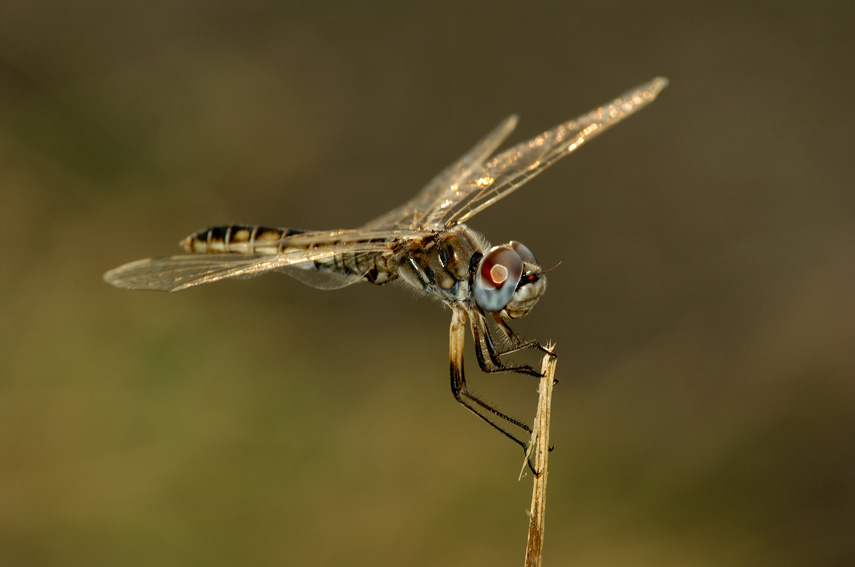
[704, 305]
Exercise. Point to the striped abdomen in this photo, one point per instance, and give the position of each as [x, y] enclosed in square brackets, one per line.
[240, 239]
[367, 260]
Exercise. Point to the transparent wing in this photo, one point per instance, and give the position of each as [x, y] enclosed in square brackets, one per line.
[320, 280]
[176, 273]
[412, 214]
[512, 168]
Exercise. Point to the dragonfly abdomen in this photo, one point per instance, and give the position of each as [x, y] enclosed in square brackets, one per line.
[248, 239]
[239, 238]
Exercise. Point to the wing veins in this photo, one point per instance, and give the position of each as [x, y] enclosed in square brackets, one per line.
[413, 214]
[176, 273]
[514, 167]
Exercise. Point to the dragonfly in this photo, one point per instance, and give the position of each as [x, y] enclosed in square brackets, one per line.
[424, 244]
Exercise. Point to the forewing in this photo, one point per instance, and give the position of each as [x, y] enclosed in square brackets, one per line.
[413, 214]
[176, 273]
[512, 168]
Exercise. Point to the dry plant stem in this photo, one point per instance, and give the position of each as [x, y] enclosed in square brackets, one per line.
[539, 450]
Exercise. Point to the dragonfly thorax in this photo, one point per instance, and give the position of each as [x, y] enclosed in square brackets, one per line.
[441, 264]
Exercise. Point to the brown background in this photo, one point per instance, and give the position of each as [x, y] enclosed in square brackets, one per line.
[704, 306]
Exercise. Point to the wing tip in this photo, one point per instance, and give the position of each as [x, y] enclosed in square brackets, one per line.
[655, 86]
[114, 276]
[123, 277]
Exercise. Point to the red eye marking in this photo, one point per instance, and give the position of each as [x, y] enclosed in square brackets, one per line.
[496, 281]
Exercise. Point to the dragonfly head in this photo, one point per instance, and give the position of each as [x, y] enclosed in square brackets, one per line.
[508, 280]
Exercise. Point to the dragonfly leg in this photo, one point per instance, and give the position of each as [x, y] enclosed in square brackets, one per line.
[515, 339]
[485, 346]
[458, 386]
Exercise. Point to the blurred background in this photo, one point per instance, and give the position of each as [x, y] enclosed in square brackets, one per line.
[703, 306]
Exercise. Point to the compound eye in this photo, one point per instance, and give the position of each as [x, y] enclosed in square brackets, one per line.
[497, 277]
[523, 251]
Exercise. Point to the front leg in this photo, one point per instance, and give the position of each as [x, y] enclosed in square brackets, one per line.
[518, 343]
[457, 338]
[489, 357]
